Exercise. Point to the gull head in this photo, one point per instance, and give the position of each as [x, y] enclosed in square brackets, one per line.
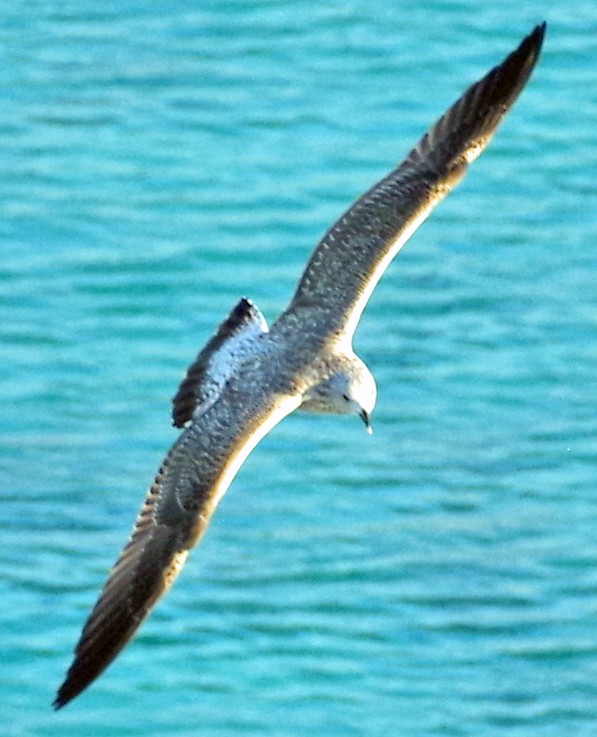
[349, 389]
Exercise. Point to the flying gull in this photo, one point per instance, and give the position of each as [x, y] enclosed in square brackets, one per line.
[249, 377]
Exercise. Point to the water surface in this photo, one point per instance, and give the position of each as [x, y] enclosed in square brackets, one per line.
[438, 578]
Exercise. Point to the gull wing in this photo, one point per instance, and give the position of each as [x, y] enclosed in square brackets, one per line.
[235, 339]
[187, 488]
[347, 264]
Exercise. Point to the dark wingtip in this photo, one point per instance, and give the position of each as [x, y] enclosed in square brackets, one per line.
[468, 125]
[71, 688]
[531, 45]
[517, 66]
[59, 702]
[63, 696]
[538, 34]
[77, 680]
[520, 63]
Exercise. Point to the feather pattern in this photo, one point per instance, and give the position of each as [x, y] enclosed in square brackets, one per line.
[351, 258]
[235, 339]
[179, 504]
[247, 378]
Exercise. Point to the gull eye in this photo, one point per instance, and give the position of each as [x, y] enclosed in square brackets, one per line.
[346, 397]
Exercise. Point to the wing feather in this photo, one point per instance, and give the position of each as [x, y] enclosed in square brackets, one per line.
[349, 261]
[192, 479]
[217, 361]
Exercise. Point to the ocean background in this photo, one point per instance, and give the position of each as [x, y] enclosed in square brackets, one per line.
[159, 161]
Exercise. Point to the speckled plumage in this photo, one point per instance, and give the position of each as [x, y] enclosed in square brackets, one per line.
[236, 339]
[247, 378]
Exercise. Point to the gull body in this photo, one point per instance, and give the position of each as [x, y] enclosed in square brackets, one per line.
[249, 376]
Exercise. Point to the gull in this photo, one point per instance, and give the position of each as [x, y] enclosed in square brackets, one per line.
[249, 377]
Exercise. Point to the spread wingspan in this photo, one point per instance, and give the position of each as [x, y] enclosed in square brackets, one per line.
[245, 380]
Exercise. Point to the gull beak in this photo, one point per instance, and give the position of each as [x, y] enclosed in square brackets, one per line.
[364, 415]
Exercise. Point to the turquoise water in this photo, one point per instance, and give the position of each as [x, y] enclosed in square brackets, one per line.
[438, 578]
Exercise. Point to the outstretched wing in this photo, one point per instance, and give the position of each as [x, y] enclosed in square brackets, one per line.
[192, 479]
[235, 338]
[347, 264]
